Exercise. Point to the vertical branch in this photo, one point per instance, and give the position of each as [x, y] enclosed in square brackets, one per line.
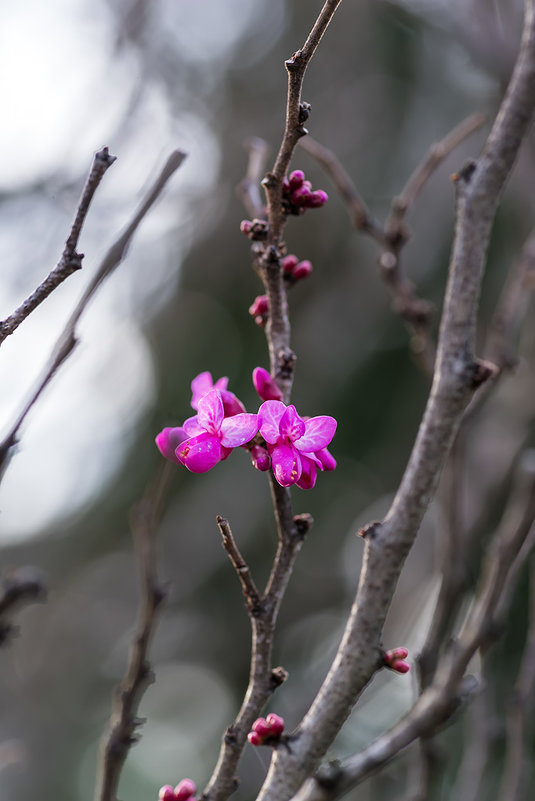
[121, 734]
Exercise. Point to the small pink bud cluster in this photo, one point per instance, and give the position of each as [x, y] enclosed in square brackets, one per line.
[259, 310]
[185, 791]
[256, 230]
[298, 195]
[395, 660]
[295, 270]
[266, 731]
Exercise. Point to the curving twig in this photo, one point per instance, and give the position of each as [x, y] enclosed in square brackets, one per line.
[67, 340]
[121, 734]
[18, 587]
[71, 260]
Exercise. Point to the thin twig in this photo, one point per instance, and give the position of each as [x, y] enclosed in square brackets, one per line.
[458, 374]
[249, 188]
[67, 340]
[250, 592]
[18, 587]
[394, 234]
[71, 260]
[263, 679]
[518, 759]
[121, 734]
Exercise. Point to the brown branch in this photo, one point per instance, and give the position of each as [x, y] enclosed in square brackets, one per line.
[263, 679]
[394, 234]
[457, 375]
[121, 734]
[249, 188]
[18, 587]
[71, 260]
[509, 550]
[68, 339]
[278, 325]
[520, 715]
[250, 592]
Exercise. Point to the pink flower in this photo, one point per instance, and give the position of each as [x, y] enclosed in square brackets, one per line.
[265, 385]
[168, 441]
[211, 435]
[203, 383]
[293, 442]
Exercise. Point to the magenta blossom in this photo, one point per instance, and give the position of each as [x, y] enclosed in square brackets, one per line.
[296, 445]
[211, 435]
[168, 441]
[203, 383]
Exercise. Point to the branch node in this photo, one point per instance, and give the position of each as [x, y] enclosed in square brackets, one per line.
[465, 173]
[277, 677]
[287, 359]
[329, 775]
[369, 531]
[480, 371]
[303, 523]
[304, 112]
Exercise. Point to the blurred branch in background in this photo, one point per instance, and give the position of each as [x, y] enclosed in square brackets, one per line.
[18, 587]
[67, 340]
[70, 260]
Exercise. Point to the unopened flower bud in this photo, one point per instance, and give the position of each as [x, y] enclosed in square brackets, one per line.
[259, 306]
[261, 727]
[166, 793]
[296, 179]
[260, 458]
[317, 199]
[246, 226]
[275, 723]
[254, 738]
[265, 386]
[289, 263]
[395, 660]
[302, 269]
[185, 790]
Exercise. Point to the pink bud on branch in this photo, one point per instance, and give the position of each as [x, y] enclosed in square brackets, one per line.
[266, 731]
[184, 791]
[395, 660]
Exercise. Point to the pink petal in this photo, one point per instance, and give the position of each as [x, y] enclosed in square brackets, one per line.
[192, 427]
[269, 417]
[202, 384]
[168, 440]
[292, 426]
[286, 464]
[265, 385]
[231, 404]
[238, 430]
[309, 473]
[199, 454]
[211, 412]
[319, 431]
[328, 462]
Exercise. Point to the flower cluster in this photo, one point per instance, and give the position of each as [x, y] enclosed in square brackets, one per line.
[294, 447]
[395, 660]
[266, 731]
[298, 195]
[184, 791]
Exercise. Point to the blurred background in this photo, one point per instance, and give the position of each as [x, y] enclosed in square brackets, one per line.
[144, 77]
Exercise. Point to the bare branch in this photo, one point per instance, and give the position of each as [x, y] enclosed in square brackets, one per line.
[67, 340]
[251, 594]
[449, 689]
[457, 375]
[70, 260]
[520, 714]
[121, 734]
